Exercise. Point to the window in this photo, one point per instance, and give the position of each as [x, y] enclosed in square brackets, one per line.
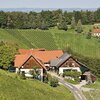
[73, 64]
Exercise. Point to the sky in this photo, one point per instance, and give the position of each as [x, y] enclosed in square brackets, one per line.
[49, 3]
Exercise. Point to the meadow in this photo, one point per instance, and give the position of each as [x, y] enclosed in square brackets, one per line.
[14, 88]
[92, 95]
[54, 39]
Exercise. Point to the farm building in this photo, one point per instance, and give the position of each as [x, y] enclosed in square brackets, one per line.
[67, 63]
[96, 32]
[54, 60]
[28, 59]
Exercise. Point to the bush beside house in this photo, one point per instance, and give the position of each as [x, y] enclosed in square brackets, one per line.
[72, 75]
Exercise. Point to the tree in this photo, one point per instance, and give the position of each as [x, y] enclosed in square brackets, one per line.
[77, 15]
[67, 17]
[44, 25]
[9, 22]
[89, 34]
[97, 15]
[53, 82]
[79, 27]
[63, 26]
[73, 23]
[7, 54]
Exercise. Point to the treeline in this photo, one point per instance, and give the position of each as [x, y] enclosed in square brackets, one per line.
[46, 19]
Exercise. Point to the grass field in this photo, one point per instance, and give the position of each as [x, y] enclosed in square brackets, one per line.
[96, 85]
[13, 88]
[54, 39]
[92, 95]
[95, 93]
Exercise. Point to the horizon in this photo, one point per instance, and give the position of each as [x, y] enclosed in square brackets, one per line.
[45, 9]
[52, 8]
[49, 4]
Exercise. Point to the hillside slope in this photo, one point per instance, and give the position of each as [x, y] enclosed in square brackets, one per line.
[53, 39]
[13, 88]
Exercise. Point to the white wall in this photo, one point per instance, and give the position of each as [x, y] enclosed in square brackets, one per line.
[25, 70]
[96, 34]
[47, 65]
[72, 68]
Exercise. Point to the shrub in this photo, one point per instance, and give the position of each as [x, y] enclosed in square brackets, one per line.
[45, 80]
[22, 75]
[35, 72]
[73, 74]
[89, 34]
[53, 82]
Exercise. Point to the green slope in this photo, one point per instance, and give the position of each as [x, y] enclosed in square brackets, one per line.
[53, 39]
[12, 88]
[78, 43]
[29, 38]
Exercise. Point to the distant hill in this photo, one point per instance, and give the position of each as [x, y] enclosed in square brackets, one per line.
[45, 9]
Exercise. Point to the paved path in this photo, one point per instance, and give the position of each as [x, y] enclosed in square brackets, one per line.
[76, 91]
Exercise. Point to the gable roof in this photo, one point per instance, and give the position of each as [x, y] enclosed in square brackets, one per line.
[46, 56]
[82, 65]
[42, 54]
[60, 60]
[21, 59]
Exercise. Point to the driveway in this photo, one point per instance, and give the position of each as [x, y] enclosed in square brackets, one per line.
[76, 91]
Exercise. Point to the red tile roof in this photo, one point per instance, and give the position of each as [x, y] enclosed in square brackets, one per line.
[42, 54]
[24, 51]
[97, 31]
[46, 56]
[39, 54]
[21, 59]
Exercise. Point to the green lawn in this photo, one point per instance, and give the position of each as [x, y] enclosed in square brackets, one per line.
[54, 39]
[96, 85]
[13, 88]
[93, 94]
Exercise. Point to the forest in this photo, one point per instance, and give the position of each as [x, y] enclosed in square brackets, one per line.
[46, 19]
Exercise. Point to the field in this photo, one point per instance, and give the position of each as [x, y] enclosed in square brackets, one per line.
[13, 88]
[92, 95]
[95, 93]
[54, 39]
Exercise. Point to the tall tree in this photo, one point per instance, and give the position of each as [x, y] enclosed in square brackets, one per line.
[73, 23]
[79, 27]
[97, 15]
[77, 15]
[7, 54]
[9, 22]
[62, 25]
[44, 25]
